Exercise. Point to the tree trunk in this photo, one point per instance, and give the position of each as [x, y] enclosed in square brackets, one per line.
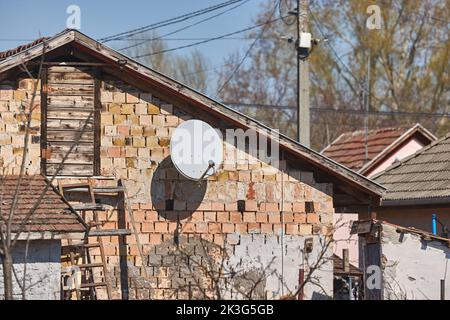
[7, 263]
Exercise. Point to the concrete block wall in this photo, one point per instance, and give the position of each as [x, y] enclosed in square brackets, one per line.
[203, 218]
[413, 267]
[43, 270]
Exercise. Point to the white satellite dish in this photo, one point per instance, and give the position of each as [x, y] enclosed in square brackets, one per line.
[196, 149]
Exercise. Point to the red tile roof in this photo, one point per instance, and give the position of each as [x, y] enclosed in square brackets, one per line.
[349, 148]
[53, 214]
[338, 268]
[8, 53]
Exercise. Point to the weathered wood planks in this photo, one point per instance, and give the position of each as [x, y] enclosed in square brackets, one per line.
[70, 114]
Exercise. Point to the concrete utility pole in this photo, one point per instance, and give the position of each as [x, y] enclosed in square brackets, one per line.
[303, 112]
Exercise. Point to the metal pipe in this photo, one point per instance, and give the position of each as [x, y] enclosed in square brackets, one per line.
[301, 279]
[350, 288]
[433, 224]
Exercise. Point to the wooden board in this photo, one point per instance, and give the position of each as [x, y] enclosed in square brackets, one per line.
[70, 113]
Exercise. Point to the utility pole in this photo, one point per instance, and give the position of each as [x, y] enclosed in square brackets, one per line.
[303, 112]
[366, 109]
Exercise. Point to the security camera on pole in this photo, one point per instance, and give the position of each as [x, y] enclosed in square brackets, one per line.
[304, 45]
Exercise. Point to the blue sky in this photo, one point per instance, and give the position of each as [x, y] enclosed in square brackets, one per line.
[24, 20]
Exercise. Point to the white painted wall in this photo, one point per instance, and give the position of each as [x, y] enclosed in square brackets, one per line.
[413, 268]
[262, 252]
[43, 270]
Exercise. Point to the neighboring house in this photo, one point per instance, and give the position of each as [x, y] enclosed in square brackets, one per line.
[403, 263]
[38, 250]
[385, 146]
[253, 226]
[418, 187]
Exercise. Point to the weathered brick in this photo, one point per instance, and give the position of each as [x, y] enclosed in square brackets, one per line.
[266, 228]
[147, 227]
[305, 229]
[228, 227]
[214, 227]
[201, 227]
[217, 206]
[223, 216]
[298, 207]
[288, 217]
[210, 216]
[161, 226]
[249, 217]
[231, 206]
[292, 228]
[312, 218]
[300, 217]
[241, 228]
[274, 217]
[235, 217]
[254, 228]
[152, 109]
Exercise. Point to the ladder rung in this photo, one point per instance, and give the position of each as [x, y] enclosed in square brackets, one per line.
[80, 245]
[91, 245]
[112, 232]
[108, 189]
[95, 224]
[97, 189]
[90, 207]
[89, 285]
[90, 265]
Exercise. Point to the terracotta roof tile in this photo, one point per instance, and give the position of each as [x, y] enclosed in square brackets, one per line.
[349, 148]
[53, 213]
[8, 53]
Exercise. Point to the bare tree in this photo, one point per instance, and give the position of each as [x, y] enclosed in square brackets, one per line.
[409, 67]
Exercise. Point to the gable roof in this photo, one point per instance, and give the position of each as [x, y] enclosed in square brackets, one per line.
[421, 178]
[53, 215]
[349, 148]
[173, 87]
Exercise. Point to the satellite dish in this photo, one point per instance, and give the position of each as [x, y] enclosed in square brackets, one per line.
[196, 149]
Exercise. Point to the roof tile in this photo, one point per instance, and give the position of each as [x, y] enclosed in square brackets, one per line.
[53, 213]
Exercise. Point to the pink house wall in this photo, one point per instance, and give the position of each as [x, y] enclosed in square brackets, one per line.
[411, 147]
[342, 238]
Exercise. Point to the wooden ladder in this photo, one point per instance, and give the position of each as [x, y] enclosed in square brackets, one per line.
[87, 267]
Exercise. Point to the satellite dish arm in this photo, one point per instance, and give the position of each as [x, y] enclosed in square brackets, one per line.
[211, 164]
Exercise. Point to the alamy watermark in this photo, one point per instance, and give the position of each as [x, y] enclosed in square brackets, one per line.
[74, 19]
[373, 22]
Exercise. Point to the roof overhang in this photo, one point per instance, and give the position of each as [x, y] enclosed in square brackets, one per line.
[415, 202]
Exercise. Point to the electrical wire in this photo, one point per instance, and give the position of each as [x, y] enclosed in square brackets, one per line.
[345, 111]
[248, 50]
[281, 13]
[186, 27]
[168, 22]
[205, 41]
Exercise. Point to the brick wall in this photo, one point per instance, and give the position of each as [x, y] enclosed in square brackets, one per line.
[228, 250]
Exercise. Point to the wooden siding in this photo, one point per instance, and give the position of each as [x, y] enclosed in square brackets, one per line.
[70, 128]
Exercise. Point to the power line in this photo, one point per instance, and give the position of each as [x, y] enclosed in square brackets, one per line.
[205, 41]
[168, 22]
[248, 50]
[345, 111]
[186, 27]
